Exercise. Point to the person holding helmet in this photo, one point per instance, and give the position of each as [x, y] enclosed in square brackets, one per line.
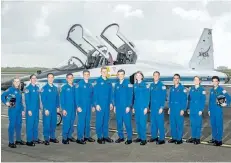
[12, 98]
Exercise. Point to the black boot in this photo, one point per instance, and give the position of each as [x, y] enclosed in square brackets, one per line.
[191, 140]
[159, 142]
[171, 140]
[197, 141]
[81, 141]
[89, 139]
[71, 139]
[31, 144]
[65, 141]
[143, 142]
[109, 140]
[218, 143]
[12, 145]
[100, 141]
[46, 142]
[54, 140]
[21, 142]
[153, 140]
[127, 142]
[137, 140]
[179, 142]
[119, 140]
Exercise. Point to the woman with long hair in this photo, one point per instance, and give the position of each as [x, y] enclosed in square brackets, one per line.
[12, 98]
[140, 107]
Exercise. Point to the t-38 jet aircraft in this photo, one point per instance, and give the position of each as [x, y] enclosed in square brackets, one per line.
[97, 55]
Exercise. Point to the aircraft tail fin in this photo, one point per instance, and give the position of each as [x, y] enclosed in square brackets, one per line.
[203, 55]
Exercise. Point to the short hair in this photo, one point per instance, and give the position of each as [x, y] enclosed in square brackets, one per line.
[177, 75]
[197, 77]
[50, 74]
[156, 72]
[139, 72]
[121, 70]
[103, 68]
[216, 77]
[84, 71]
[69, 74]
[32, 76]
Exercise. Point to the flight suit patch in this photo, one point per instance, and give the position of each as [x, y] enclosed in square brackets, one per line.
[147, 86]
[84, 86]
[77, 86]
[49, 90]
[130, 85]
[185, 91]
[163, 87]
[42, 90]
[15, 92]
[203, 92]
[102, 83]
[26, 91]
[224, 91]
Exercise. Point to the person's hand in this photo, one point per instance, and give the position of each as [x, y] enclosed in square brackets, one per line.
[29, 113]
[200, 113]
[98, 108]
[46, 112]
[23, 113]
[79, 109]
[111, 107]
[145, 111]
[65, 113]
[182, 112]
[127, 109]
[7, 104]
[160, 111]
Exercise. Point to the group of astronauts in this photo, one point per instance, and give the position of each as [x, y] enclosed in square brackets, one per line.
[123, 98]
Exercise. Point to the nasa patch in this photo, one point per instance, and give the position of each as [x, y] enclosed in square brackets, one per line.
[147, 86]
[68, 89]
[84, 86]
[49, 90]
[163, 87]
[117, 87]
[15, 92]
[77, 86]
[203, 92]
[130, 85]
[224, 91]
[185, 91]
[26, 91]
[102, 83]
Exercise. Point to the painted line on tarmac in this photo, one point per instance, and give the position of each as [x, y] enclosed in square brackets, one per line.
[134, 133]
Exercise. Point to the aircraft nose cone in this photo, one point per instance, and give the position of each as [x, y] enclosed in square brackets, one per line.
[5, 85]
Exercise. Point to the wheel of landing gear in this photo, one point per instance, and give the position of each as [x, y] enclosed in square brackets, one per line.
[59, 119]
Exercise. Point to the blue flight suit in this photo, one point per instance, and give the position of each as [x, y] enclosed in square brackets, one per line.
[50, 101]
[67, 101]
[177, 102]
[197, 99]
[216, 112]
[103, 97]
[84, 100]
[15, 114]
[158, 97]
[32, 104]
[141, 101]
[123, 93]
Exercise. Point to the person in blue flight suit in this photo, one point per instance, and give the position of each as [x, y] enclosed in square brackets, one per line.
[50, 102]
[103, 101]
[158, 97]
[122, 104]
[15, 113]
[84, 104]
[140, 107]
[215, 111]
[67, 101]
[32, 101]
[197, 99]
[177, 106]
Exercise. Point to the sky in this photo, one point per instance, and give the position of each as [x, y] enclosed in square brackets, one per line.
[34, 32]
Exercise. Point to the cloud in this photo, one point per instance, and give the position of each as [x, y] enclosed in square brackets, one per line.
[191, 14]
[128, 11]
